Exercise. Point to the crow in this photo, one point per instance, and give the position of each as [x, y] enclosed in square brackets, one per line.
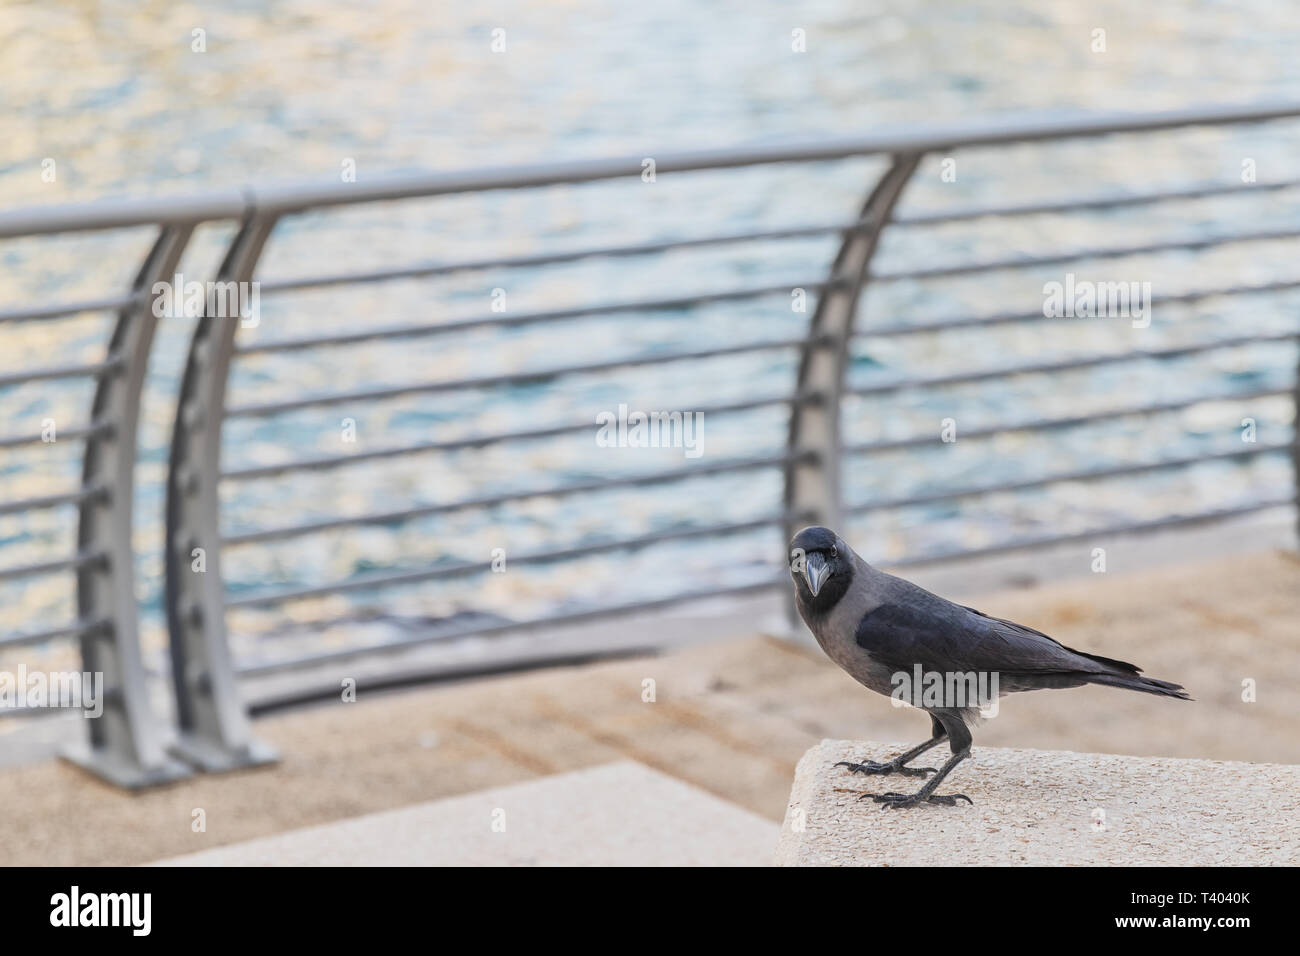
[889, 635]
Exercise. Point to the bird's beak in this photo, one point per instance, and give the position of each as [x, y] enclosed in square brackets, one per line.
[815, 572]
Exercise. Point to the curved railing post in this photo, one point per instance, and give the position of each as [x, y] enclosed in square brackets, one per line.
[214, 729]
[1295, 441]
[812, 478]
[125, 745]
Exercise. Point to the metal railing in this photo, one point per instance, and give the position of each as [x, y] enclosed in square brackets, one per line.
[128, 745]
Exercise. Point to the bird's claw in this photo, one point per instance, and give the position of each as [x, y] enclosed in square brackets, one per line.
[900, 800]
[869, 767]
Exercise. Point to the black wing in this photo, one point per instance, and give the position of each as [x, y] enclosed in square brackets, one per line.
[917, 627]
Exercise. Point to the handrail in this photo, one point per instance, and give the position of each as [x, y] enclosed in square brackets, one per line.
[213, 722]
[1067, 421]
[488, 438]
[1066, 477]
[517, 319]
[459, 569]
[519, 378]
[661, 476]
[1008, 318]
[1088, 203]
[277, 201]
[1065, 365]
[1096, 252]
[432, 269]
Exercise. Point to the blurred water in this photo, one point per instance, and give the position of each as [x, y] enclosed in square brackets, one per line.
[116, 97]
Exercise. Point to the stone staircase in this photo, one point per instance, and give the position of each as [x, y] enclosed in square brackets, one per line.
[619, 814]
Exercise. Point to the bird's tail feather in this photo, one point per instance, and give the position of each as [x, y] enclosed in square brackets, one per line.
[1147, 685]
[1129, 677]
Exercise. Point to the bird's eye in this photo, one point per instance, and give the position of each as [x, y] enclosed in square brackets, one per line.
[835, 552]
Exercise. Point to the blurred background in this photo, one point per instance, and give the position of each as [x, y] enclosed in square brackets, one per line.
[118, 97]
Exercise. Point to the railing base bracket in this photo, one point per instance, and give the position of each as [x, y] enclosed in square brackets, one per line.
[123, 773]
[209, 757]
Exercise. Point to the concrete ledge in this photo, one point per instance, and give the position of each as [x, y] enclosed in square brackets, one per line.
[1043, 807]
[619, 814]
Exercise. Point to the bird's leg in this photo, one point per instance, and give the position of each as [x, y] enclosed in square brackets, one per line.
[897, 764]
[960, 741]
[926, 794]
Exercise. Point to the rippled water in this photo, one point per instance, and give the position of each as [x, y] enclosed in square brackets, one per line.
[116, 97]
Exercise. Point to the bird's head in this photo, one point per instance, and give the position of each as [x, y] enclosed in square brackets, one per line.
[821, 565]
